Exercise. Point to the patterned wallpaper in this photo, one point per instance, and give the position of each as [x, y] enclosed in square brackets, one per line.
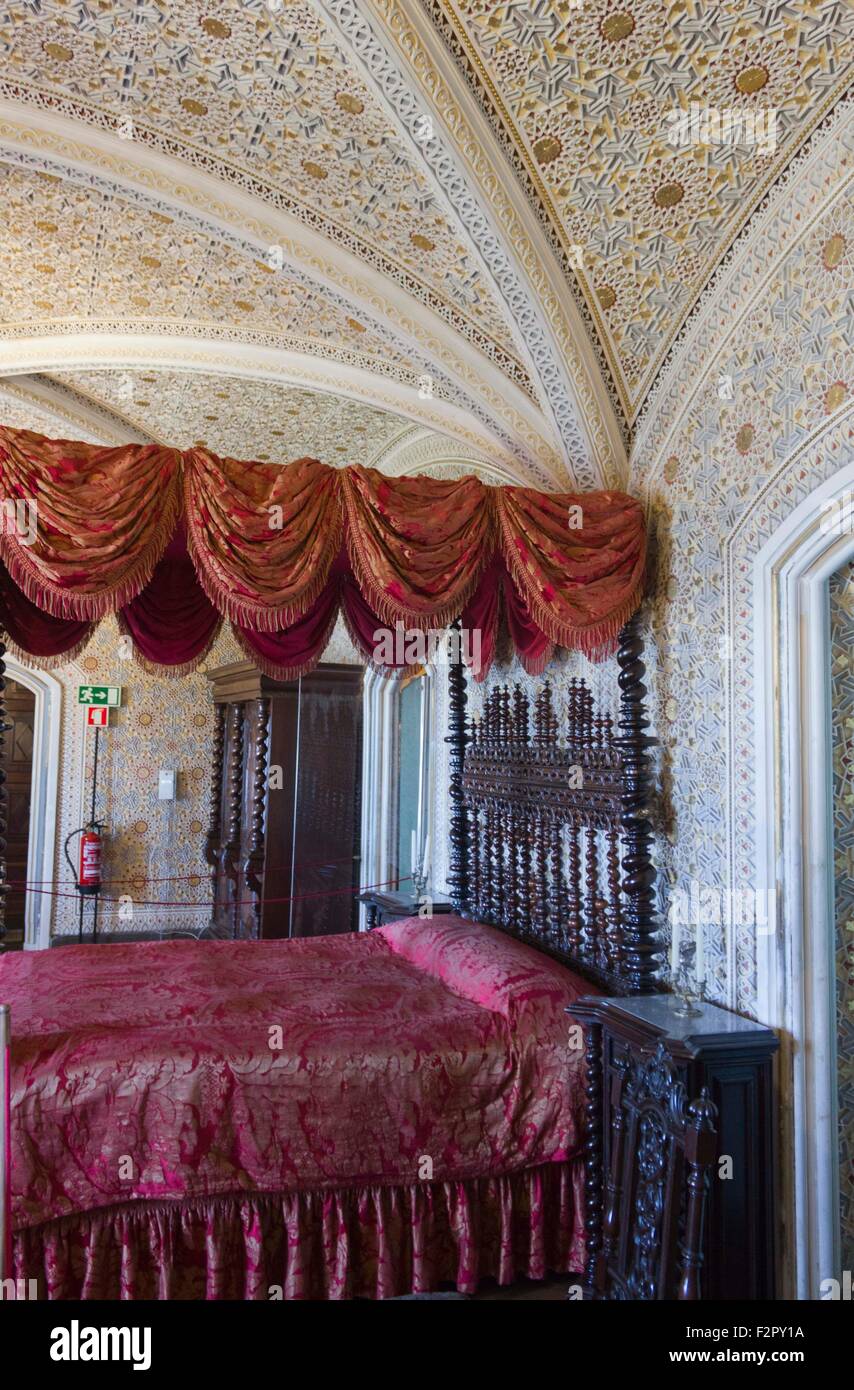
[271, 421]
[262, 95]
[581, 93]
[153, 849]
[842, 739]
[726, 451]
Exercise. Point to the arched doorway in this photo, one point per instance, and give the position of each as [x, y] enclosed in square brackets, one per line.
[797, 973]
[34, 707]
[16, 761]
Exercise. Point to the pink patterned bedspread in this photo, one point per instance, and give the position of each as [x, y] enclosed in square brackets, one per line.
[184, 1069]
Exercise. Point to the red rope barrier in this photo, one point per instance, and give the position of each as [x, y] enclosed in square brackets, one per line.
[296, 897]
[30, 883]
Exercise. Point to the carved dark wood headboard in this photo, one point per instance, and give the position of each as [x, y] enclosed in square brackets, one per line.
[550, 831]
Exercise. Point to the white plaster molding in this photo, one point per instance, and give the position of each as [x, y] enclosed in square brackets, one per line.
[79, 351]
[794, 852]
[73, 412]
[416, 450]
[135, 170]
[404, 100]
[419, 46]
[43, 799]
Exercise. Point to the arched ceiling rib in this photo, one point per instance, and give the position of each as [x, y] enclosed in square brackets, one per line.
[268, 104]
[482, 226]
[82, 253]
[586, 99]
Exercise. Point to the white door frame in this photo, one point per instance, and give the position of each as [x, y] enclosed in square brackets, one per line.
[38, 908]
[380, 764]
[794, 850]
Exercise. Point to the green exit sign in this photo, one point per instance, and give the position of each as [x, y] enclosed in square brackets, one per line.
[109, 695]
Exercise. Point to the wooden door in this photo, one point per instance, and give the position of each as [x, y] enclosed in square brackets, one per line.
[17, 762]
[285, 817]
[327, 831]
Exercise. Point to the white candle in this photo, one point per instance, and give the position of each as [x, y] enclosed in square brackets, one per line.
[674, 945]
[412, 862]
[426, 864]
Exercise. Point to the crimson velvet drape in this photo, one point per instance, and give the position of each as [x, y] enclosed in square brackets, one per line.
[174, 543]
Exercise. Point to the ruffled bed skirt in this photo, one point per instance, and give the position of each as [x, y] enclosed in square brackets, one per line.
[368, 1242]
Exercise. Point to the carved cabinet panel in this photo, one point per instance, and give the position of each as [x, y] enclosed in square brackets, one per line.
[655, 1076]
[283, 842]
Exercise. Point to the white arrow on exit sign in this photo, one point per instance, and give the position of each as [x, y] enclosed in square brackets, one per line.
[110, 695]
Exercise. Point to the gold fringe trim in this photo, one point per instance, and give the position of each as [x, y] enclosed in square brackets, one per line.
[62, 603]
[156, 668]
[387, 609]
[389, 673]
[243, 611]
[50, 663]
[288, 673]
[597, 640]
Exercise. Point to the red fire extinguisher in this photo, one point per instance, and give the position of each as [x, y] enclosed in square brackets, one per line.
[87, 872]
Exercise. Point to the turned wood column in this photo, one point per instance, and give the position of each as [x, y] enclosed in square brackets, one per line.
[215, 812]
[640, 923]
[231, 846]
[458, 832]
[253, 867]
[593, 1157]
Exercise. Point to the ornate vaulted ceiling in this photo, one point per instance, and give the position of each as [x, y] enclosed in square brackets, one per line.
[580, 94]
[464, 220]
[282, 422]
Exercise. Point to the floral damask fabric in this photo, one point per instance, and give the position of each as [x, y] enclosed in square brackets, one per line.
[209, 1120]
[378, 1241]
[101, 519]
[263, 541]
[178, 1071]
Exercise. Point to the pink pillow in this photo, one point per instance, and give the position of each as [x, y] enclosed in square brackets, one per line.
[488, 967]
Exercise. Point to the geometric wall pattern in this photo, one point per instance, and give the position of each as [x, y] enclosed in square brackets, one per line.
[727, 450]
[581, 95]
[232, 416]
[255, 93]
[842, 740]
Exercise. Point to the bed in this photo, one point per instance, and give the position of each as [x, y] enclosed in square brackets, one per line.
[357, 1116]
[364, 1116]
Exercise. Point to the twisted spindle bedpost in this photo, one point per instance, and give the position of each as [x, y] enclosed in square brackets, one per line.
[639, 917]
[458, 830]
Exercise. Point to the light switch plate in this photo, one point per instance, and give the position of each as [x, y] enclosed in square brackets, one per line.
[166, 784]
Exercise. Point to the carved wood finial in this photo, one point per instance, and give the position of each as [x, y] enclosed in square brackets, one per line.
[700, 1154]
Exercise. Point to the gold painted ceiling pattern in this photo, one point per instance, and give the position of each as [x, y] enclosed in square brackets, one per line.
[68, 251]
[20, 411]
[583, 91]
[242, 418]
[246, 88]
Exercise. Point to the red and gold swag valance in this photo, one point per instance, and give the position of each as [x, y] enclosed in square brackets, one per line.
[174, 542]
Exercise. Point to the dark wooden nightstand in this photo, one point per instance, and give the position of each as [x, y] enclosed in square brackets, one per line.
[733, 1058]
[388, 907]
